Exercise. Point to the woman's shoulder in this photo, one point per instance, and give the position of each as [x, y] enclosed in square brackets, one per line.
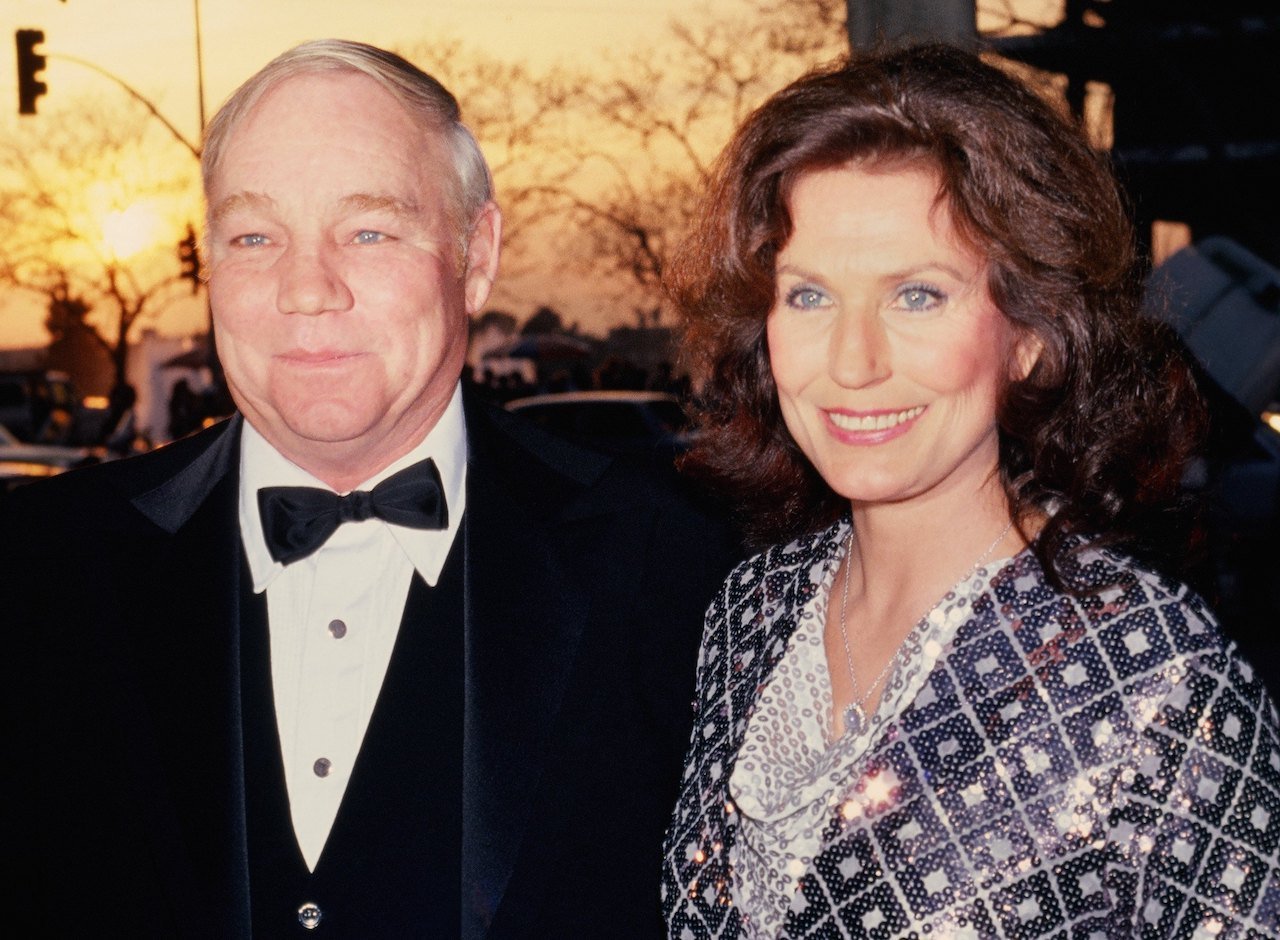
[757, 607]
[798, 554]
[778, 577]
[1120, 626]
[1101, 586]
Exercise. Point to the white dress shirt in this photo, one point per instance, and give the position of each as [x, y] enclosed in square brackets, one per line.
[333, 617]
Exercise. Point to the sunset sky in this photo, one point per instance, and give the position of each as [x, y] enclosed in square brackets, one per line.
[150, 45]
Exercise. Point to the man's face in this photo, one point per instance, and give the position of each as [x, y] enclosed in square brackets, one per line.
[338, 293]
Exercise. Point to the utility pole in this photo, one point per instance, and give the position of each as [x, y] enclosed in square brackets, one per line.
[873, 23]
[199, 69]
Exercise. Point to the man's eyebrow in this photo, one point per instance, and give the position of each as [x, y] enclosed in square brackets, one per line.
[356, 202]
[368, 202]
[238, 201]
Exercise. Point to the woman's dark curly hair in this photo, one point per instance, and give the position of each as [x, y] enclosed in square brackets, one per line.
[1098, 432]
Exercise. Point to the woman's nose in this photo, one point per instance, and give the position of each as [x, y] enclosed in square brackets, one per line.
[859, 353]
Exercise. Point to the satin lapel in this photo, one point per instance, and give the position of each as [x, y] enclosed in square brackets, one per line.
[187, 647]
[524, 620]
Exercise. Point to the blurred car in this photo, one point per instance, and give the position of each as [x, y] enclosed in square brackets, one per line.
[37, 404]
[618, 422]
[21, 462]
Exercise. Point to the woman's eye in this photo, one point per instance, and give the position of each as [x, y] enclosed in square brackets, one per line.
[920, 298]
[806, 298]
[368, 237]
[250, 241]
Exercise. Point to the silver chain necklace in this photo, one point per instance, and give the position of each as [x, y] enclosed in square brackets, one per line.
[855, 717]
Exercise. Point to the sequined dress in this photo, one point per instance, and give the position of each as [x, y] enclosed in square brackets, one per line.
[1092, 766]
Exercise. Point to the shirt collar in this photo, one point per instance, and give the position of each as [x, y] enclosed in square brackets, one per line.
[262, 465]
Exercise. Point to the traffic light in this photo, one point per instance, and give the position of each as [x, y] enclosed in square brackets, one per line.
[30, 65]
[189, 258]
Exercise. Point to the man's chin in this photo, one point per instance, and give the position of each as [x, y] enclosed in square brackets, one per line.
[312, 433]
[333, 435]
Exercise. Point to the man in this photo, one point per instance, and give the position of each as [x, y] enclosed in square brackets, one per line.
[452, 703]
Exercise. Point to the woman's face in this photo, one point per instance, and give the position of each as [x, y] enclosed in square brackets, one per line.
[888, 353]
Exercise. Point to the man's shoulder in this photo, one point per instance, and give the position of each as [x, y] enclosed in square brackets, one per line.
[496, 436]
[545, 469]
[80, 496]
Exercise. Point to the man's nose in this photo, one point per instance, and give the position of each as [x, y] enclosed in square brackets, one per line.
[860, 354]
[311, 282]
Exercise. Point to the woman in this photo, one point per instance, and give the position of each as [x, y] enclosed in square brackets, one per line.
[950, 700]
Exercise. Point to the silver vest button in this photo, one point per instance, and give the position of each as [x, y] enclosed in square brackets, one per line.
[309, 916]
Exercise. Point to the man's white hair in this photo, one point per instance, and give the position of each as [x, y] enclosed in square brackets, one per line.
[421, 95]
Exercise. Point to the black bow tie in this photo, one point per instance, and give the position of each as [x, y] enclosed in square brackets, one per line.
[297, 520]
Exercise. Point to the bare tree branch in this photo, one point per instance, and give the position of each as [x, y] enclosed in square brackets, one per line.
[57, 186]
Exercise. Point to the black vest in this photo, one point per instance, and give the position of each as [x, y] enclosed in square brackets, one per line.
[392, 864]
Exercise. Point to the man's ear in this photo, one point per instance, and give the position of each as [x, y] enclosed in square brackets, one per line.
[480, 267]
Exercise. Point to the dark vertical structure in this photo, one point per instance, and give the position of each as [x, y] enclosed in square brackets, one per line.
[898, 22]
[30, 65]
[1197, 106]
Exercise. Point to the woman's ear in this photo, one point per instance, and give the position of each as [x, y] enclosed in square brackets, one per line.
[1027, 347]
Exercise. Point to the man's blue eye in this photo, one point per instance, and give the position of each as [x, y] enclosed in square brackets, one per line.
[367, 237]
[251, 241]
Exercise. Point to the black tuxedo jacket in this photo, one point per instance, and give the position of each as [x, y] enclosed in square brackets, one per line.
[585, 585]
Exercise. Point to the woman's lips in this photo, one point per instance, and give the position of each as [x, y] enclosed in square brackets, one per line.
[871, 427]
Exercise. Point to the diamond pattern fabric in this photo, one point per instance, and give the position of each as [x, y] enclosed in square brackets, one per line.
[1093, 765]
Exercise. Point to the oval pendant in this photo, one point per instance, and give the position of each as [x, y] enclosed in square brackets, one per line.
[855, 719]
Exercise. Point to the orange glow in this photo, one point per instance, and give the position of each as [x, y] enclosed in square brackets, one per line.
[129, 232]
[20, 468]
[151, 47]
